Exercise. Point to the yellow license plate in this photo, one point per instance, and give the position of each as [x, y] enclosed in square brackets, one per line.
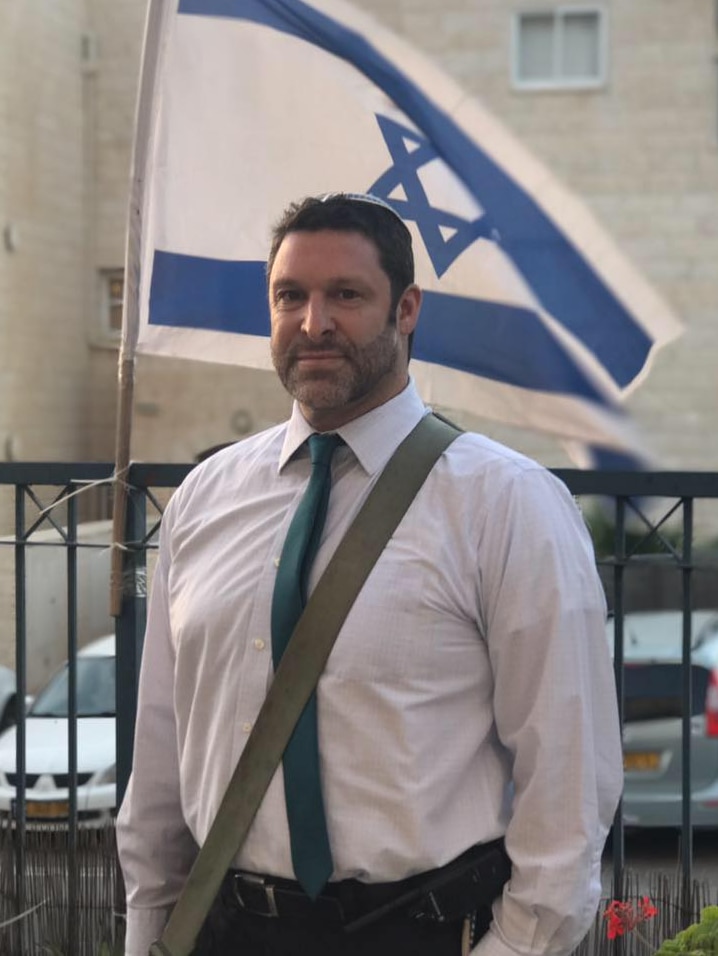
[47, 810]
[642, 761]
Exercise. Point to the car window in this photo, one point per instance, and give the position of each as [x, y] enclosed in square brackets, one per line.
[95, 690]
[653, 691]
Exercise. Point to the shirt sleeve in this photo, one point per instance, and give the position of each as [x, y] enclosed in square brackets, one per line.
[555, 711]
[155, 848]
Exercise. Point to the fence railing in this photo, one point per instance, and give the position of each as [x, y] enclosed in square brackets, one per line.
[650, 519]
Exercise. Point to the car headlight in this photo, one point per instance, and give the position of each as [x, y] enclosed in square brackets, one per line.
[106, 776]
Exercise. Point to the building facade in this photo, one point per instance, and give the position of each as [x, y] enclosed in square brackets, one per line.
[617, 97]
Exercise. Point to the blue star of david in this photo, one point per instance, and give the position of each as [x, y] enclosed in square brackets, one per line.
[416, 207]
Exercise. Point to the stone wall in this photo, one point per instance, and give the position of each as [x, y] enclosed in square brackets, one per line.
[43, 346]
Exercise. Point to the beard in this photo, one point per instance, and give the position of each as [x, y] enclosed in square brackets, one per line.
[349, 381]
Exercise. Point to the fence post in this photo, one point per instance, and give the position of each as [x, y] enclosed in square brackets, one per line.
[687, 698]
[619, 568]
[129, 636]
[129, 632]
[20, 692]
[73, 892]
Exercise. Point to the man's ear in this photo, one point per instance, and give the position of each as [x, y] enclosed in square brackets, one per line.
[407, 310]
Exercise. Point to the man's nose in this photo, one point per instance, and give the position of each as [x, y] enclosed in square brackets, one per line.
[317, 320]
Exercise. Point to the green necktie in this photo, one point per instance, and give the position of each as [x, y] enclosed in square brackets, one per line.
[311, 852]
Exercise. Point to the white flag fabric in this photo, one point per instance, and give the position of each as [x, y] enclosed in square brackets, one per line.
[531, 315]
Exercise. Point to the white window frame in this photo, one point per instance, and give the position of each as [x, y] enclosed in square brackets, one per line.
[109, 334]
[557, 81]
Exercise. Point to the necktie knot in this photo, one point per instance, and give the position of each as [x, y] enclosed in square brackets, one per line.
[322, 447]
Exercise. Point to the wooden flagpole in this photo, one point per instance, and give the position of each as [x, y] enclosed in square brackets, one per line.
[131, 304]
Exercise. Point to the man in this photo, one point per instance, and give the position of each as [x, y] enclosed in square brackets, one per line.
[469, 695]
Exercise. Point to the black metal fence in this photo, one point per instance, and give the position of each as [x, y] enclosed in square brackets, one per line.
[647, 521]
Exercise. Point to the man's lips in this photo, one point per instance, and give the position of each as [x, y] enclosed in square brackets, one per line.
[318, 356]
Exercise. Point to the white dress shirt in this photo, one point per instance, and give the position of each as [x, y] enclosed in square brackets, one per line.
[469, 693]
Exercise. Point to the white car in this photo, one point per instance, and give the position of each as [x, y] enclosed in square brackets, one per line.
[46, 760]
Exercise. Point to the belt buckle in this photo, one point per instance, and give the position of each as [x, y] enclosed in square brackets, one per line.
[264, 889]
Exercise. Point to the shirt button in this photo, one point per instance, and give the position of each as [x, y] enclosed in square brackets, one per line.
[259, 644]
[276, 562]
[246, 727]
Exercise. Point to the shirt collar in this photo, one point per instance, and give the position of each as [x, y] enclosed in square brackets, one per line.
[373, 437]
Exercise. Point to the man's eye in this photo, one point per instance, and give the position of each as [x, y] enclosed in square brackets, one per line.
[347, 295]
[287, 296]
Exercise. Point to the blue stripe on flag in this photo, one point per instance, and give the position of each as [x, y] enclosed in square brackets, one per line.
[563, 281]
[610, 459]
[497, 341]
[195, 293]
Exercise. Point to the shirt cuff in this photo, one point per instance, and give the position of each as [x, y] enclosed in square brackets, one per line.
[144, 926]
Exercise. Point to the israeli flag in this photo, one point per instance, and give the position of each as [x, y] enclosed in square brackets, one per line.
[531, 315]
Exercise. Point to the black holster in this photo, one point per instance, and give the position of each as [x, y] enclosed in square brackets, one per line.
[454, 891]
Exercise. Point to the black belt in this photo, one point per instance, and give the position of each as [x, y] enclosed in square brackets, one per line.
[450, 892]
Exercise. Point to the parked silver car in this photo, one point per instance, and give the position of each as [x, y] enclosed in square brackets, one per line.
[652, 736]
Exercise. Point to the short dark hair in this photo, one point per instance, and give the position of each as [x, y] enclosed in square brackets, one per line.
[347, 212]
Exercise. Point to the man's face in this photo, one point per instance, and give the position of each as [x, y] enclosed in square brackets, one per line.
[337, 345]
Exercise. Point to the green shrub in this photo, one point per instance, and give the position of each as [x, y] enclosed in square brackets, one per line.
[699, 939]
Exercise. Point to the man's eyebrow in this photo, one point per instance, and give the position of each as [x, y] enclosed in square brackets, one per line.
[284, 280]
[332, 281]
[281, 283]
[347, 280]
